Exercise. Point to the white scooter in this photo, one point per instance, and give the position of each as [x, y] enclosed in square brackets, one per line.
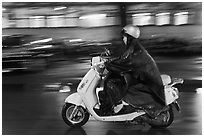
[79, 105]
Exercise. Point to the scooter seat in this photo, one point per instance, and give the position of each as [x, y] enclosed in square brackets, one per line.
[166, 79]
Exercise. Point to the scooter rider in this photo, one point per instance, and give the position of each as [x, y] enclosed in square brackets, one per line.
[145, 87]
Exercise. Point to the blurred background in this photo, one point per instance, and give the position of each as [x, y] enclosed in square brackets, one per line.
[47, 48]
[102, 21]
[166, 27]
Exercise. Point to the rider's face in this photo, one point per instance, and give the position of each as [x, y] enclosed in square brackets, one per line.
[125, 40]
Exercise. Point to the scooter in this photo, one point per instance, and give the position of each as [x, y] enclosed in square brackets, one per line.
[80, 105]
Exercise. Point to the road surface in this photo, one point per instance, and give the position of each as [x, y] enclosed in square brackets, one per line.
[31, 103]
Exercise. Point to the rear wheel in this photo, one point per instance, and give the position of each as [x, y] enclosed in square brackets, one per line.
[164, 119]
[74, 116]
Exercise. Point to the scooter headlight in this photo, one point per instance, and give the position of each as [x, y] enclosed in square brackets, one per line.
[95, 60]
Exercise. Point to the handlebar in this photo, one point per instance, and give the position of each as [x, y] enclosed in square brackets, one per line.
[177, 81]
[98, 60]
[106, 52]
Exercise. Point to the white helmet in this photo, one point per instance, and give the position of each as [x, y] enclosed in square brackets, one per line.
[133, 31]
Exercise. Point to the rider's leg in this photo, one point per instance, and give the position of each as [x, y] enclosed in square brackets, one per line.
[140, 96]
[111, 96]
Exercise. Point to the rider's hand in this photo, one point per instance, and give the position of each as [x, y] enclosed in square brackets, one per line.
[107, 52]
[105, 60]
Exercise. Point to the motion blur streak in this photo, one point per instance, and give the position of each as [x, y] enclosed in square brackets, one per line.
[186, 67]
[47, 47]
[199, 90]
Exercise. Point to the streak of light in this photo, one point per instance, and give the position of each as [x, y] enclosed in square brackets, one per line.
[39, 41]
[75, 40]
[93, 16]
[199, 90]
[141, 14]
[181, 13]
[43, 47]
[60, 8]
[162, 14]
[65, 89]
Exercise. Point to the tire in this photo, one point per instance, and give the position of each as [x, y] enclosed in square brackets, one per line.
[169, 119]
[80, 118]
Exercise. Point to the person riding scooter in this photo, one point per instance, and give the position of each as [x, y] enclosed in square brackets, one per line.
[143, 88]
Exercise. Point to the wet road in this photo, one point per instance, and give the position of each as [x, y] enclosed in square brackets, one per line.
[31, 107]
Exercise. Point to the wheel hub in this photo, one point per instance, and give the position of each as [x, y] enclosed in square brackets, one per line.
[75, 114]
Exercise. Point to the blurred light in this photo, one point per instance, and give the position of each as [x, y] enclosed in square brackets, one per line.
[36, 17]
[54, 85]
[199, 90]
[40, 41]
[43, 47]
[12, 69]
[181, 13]
[181, 18]
[162, 18]
[55, 21]
[141, 14]
[162, 14]
[93, 16]
[142, 19]
[6, 70]
[60, 8]
[197, 78]
[55, 16]
[3, 8]
[65, 89]
[75, 40]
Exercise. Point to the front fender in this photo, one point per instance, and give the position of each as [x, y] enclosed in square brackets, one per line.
[177, 106]
[76, 99]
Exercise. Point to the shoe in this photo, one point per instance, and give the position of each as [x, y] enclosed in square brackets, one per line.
[122, 111]
[118, 108]
[125, 110]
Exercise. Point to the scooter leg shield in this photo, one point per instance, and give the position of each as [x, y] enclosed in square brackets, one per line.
[76, 99]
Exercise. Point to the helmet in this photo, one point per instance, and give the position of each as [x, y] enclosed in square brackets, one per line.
[133, 31]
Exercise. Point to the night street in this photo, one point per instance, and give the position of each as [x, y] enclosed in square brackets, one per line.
[110, 54]
[32, 102]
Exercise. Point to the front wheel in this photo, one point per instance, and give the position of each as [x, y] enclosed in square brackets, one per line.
[74, 116]
[164, 119]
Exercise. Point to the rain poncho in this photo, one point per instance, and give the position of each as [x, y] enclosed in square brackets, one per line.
[142, 75]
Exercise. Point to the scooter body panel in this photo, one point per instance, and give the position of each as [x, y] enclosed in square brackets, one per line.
[171, 94]
[124, 117]
[87, 91]
[86, 96]
[76, 99]
[87, 88]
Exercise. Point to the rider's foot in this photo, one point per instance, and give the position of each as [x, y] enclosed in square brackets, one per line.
[118, 108]
[125, 110]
